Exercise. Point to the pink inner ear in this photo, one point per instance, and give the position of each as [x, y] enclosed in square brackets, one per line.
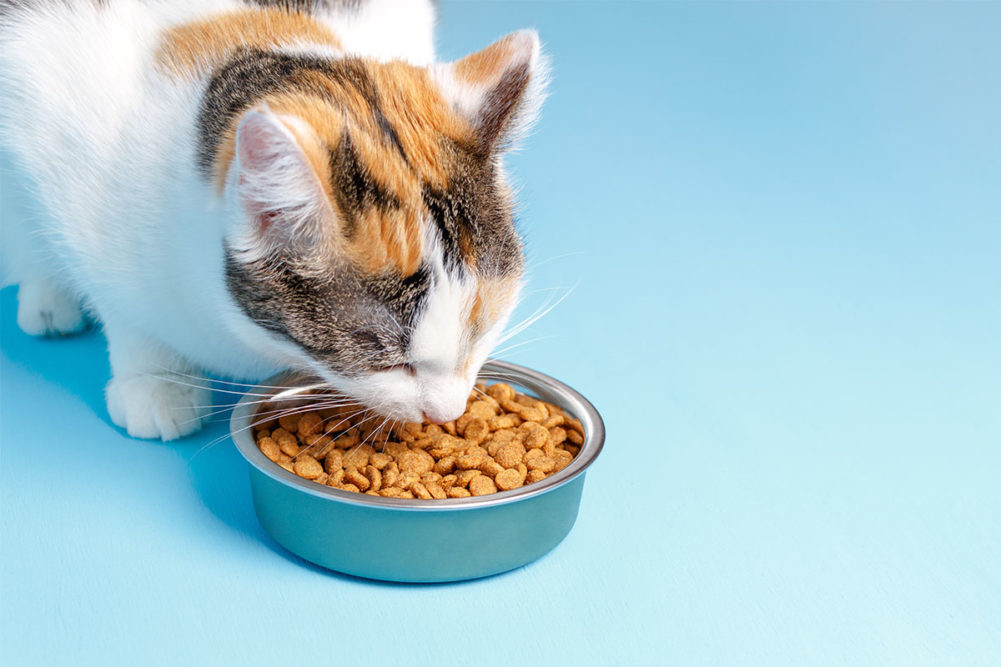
[260, 142]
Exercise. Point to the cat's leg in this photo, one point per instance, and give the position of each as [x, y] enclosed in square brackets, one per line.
[44, 304]
[45, 307]
[151, 393]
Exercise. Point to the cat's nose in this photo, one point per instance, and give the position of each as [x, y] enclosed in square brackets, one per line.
[433, 420]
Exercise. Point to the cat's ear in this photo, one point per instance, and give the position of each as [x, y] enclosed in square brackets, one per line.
[276, 184]
[499, 89]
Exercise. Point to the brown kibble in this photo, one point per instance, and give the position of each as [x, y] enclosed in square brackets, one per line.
[415, 460]
[464, 477]
[503, 422]
[309, 423]
[390, 475]
[423, 443]
[411, 431]
[286, 441]
[557, 435]
[446, 444]
[500, 392]
[320, 446]
[289, 422]
[476, 450]
[408, 479]
[562, 459]
[508, 479]
[445, 466]
[510, 454]
[481, 409]
[394, 449]
[476, 430]
[482, 485]
[356, 477]
[336, 477]
[307, 466]
[490, 467]
[333, 461]
[436, 490]
[531, 454]
[552, 421]
[269, 448]
[543, 463]
[535, 435]
[374, 476]
[503, 441]
[470, 461]
[357, 457]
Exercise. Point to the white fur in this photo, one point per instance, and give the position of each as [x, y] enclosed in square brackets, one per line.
[107, 144]
[444, 359]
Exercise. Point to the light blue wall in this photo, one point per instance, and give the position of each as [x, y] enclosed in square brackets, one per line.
[782, 222]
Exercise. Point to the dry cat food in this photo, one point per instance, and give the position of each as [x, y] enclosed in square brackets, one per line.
[503, 441]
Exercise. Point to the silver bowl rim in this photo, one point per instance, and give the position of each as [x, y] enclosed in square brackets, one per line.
[539, 384]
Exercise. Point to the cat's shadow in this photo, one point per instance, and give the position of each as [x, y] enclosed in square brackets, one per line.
[79, 365]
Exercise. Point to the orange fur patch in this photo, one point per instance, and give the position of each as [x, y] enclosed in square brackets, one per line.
[485, 67]
[423, 122]
[189, 48]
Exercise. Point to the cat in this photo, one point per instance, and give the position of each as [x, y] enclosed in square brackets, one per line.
[236, 188]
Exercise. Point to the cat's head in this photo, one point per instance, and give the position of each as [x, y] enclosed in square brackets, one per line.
[374, 238]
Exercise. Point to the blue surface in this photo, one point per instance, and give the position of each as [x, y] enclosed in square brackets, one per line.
[783, 224]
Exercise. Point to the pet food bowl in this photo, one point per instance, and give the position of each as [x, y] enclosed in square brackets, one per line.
[413, 540]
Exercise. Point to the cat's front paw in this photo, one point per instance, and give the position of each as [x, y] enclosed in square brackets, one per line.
[45, 309]
[148, 406]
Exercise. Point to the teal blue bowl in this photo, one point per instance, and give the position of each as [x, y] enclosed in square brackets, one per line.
[398, 539]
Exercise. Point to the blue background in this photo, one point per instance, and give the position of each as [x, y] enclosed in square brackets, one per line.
[782, 222]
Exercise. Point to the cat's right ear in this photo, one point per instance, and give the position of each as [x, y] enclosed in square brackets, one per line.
[276, 184]
[499, 90]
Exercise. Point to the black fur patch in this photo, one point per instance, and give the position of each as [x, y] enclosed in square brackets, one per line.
[474, 218]
[309, 6]
[251, 74]
[354, 190]
[351, 323]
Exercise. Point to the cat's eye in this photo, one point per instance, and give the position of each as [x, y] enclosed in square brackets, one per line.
[407, 368]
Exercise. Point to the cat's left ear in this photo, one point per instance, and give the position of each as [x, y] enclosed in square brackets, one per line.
[499, 90]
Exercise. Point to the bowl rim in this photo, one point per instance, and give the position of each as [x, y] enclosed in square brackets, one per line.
[541, 385]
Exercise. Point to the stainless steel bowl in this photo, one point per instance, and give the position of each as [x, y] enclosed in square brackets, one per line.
[399, 539]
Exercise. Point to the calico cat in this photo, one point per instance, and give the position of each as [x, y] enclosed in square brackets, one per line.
[236, 188]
